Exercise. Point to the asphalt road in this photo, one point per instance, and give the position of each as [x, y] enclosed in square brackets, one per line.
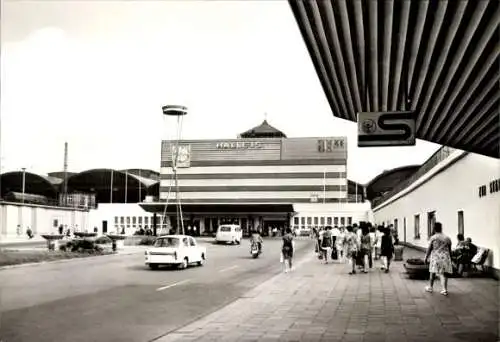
[117, 298]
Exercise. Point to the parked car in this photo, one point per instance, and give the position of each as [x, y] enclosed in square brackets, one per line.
[175, 250]
[231, 233]
[302, 232]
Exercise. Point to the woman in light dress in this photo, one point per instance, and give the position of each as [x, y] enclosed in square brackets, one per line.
[339, 244]
[439, 258]
[351, 248]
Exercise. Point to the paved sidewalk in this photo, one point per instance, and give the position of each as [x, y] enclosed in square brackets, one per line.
[318, 302]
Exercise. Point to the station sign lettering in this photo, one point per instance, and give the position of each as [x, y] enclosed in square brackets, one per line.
[329, 145]
[243, 145]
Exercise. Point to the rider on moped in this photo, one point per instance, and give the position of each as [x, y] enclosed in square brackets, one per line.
[255, 237]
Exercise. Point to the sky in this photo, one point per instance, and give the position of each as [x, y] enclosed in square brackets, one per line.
[95, 74]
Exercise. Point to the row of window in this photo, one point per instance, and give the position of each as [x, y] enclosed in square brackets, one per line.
[322, 221]
[431, 219]
[135, 220]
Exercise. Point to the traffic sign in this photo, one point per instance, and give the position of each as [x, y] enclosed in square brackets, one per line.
[386, 129]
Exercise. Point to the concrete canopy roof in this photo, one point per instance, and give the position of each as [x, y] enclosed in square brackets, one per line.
[440, 57]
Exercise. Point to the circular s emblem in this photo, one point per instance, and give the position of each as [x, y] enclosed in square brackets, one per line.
[368, 126]
[183, 155]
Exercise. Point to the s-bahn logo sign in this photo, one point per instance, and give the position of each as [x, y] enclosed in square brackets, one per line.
[181, 157]
[243, 145]
[386, 129]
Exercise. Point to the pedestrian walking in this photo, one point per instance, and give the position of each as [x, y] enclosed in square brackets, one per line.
[326, 243]
[287, 250]
[365, 247]
[386, 248]
[351, 248]
[439, 258]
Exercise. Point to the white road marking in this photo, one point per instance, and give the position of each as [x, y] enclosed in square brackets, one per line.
[228, 268]
[172, 285]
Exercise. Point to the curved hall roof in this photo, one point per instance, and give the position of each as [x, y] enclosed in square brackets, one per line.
[34, 184]
[437, 58]
[264, 130]
[98, 181]
[388, 179]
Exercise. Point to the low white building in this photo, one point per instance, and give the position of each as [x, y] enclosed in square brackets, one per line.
[309, 215]
[459, 189]
[41, 219]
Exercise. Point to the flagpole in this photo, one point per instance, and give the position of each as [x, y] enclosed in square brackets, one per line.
[111, 189]
[140, 187]
[324, 186]
[126, 185]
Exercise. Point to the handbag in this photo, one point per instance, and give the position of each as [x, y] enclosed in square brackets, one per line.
[334, 255]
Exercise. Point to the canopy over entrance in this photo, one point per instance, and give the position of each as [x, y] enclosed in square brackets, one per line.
[216, 209]
[438, 58]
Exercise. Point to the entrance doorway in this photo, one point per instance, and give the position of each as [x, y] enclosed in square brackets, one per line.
[104, 227]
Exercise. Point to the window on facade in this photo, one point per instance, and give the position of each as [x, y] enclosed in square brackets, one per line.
[122, 220]
[329, 221]
[309, 220]
[460, 222]
[349, 221]
[134, 220]
[146, 220]
[315, 220]
[295, 220]
[336, 221]
[342, 221]
[322, 221]
[302, 220]
[139, 220]
[416, 226]
[128, 219]
[431, 219]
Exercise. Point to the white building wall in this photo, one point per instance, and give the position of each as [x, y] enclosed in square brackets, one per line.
[348, 213]
[128, 216]
[448, 188]
[41, 219]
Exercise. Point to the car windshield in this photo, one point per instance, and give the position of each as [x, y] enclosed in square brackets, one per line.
[225, 229]
[167, 242]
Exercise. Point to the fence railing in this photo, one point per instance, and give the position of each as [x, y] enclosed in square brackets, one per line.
[49, 202]
[435, 159]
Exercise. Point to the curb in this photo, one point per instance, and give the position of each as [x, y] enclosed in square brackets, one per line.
[63, 261]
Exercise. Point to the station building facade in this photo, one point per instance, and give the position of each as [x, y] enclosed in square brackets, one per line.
[459, 189]
[260, 180]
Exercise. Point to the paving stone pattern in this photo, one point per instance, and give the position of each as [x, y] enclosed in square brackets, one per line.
[318, 302]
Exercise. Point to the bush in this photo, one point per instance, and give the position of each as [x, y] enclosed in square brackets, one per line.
[103, 240]
[147, 241]
[81, 246]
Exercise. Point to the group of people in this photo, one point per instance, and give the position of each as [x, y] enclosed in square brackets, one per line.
[357, 245]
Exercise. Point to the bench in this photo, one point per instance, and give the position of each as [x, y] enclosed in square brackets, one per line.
[477, 262]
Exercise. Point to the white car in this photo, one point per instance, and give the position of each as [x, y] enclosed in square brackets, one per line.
[229, 233]
[177, 250]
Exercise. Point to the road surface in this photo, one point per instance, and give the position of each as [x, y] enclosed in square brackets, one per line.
[117, 298]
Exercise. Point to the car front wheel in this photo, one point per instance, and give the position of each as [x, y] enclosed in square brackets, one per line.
[153, 266]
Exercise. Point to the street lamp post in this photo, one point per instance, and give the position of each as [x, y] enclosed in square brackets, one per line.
[23, 183]
[179, 112]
